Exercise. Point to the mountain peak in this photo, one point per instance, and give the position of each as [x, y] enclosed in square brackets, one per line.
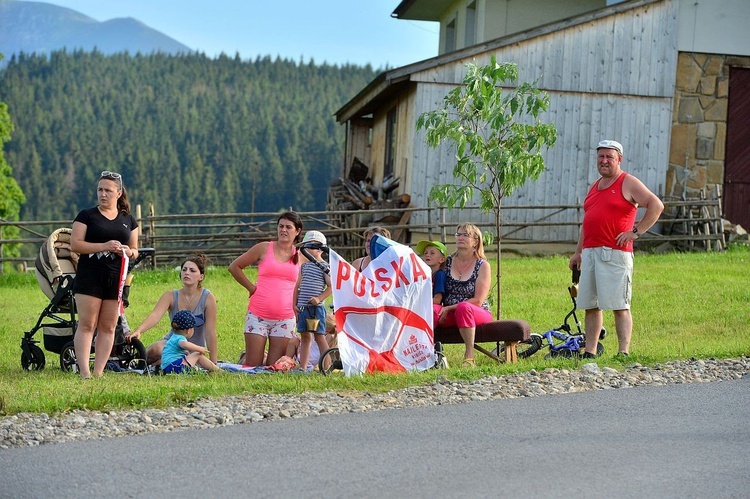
[42, 28]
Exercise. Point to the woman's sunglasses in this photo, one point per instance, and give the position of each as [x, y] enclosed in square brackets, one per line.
[111, 175]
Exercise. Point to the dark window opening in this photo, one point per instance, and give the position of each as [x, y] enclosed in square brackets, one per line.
[450, 36]
[390, 143]
[470, 37]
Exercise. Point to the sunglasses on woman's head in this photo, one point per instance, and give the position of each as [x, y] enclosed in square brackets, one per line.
[111, 175]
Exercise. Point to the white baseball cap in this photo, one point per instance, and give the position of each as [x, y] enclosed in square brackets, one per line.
[314, 235]
[610, 144]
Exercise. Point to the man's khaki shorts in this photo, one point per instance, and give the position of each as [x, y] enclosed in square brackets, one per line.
[606, 279]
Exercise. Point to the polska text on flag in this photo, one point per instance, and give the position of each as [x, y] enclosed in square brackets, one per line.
[384, 313]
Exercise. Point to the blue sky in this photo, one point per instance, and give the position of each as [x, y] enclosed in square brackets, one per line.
[333, 31]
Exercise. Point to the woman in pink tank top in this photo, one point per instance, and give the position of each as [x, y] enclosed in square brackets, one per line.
[270, 311]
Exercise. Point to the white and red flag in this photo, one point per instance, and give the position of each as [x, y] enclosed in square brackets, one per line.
[384, 313]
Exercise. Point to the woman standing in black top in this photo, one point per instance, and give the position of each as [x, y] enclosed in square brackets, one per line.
[101, 235]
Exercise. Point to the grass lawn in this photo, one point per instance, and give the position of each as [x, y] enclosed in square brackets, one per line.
[684, 305]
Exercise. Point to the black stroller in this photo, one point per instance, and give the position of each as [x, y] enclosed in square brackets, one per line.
[55, 270]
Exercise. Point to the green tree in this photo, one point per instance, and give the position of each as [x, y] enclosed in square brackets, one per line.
[498, 138]
[11, 195]
[260, 133]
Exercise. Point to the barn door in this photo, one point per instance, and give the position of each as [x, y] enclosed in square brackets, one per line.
[737, 165]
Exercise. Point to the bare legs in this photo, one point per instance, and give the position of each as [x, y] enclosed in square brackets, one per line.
[255, 346]
[276, 349]
[467, 334]
[467, 317]
[99, 315]
[194, 358]
[594, 321]
[304, 350]
[623, 326]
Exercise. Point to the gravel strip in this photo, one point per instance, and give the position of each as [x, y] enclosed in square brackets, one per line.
[27, 429]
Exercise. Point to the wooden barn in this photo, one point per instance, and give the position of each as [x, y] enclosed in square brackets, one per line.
[666, 78]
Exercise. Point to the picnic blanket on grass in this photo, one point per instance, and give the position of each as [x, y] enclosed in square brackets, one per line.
[284, 364]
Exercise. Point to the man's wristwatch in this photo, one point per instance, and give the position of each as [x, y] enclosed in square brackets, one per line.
[635, 230]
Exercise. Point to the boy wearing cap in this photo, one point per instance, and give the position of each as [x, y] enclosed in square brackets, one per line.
[313, 287]
[605, 245]
[434, 253]
[179, 354]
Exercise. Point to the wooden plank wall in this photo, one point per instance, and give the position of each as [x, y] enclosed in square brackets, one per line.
[377, 151]
[405, 130]
[405, 138]
[608, 78]
[358, 142]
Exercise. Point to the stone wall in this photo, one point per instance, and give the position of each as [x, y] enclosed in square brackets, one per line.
[699, 123]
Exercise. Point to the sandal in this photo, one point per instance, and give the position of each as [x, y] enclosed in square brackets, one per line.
[468, 362]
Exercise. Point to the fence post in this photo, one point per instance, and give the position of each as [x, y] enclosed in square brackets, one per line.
[444, 235]
[429, 223]
[2, 262]
[152, 231]
[139, 219]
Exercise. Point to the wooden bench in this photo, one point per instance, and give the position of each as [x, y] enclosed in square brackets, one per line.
[511, 332]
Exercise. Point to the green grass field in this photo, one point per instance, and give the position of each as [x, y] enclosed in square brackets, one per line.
[684, 305]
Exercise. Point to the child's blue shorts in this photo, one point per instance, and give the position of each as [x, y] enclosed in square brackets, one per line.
[312, 312]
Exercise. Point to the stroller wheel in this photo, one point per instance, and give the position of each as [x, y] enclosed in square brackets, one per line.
[132, 355]
[68, 357]
[33, 360]
[330, 361]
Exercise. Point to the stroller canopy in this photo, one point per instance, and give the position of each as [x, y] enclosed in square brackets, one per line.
[55, 260]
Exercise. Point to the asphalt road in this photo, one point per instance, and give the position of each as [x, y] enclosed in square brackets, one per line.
[690, 440]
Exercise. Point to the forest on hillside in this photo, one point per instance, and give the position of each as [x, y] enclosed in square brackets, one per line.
[189, 133]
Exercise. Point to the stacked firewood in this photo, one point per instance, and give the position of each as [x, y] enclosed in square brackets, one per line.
[356, 192]
[344, 195]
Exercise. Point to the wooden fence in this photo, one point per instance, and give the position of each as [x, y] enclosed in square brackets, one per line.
[687, 225]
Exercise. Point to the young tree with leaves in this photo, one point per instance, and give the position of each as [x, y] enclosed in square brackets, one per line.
[11, 195]
[498, 137]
